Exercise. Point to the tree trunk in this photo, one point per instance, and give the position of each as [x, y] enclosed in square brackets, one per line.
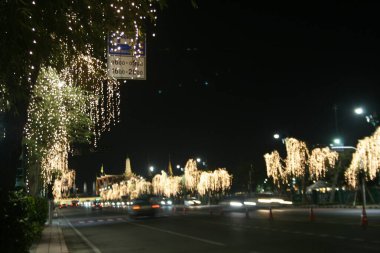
[10, 150]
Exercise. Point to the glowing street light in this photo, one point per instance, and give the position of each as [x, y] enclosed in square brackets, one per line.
[371, 119]
[359, 110]
[337, 141]
[199, 159]
[276, 136]
[151, 168]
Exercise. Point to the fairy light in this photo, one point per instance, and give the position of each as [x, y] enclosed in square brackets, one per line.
[366, 158]
[166, 185]
[218, 180]
[191, 175]
[275, 169]
[321, 159]
[296, 159]
[103, 93]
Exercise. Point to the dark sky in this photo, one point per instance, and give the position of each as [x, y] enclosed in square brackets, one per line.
[222, 78]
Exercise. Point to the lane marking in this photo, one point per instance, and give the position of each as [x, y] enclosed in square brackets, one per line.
[90, 244]
[180, 234]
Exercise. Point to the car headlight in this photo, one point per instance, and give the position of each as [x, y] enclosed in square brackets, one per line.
[249, 203]
[236, 204]
[162, 202]
[169, 202]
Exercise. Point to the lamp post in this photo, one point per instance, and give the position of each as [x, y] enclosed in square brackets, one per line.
[370, 118]
[362, 175]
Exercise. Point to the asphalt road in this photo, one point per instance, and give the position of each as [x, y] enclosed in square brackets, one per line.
[111, 230]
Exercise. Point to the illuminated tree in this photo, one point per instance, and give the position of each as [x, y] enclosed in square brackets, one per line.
[51, 34]
[299, 163]
[56, 117]
[275, 169]
[366, 159]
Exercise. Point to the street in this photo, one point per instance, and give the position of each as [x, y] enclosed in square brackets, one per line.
[196, 230]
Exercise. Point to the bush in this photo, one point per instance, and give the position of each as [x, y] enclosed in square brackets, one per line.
[23, 218]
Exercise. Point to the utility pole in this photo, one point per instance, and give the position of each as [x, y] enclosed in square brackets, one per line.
[250, 180]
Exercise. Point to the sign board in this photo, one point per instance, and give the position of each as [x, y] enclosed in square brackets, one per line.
[122, 64]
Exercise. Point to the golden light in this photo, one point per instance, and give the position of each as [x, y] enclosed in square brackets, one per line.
[319, 160]
[297, 154]
[365, 158]
[275, 168]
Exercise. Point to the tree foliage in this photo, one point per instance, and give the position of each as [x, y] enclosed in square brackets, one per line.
[39, 33]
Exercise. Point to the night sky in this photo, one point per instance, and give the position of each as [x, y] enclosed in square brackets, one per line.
[222, 78]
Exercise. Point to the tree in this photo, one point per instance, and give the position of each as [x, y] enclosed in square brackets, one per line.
[52, 34]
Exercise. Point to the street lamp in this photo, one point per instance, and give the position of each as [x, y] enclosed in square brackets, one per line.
[364, 213]
[151, 168]
[371, 119]
[278, 136]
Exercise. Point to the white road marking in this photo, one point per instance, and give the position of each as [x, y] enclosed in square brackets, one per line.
[92, 246]
[180, 234]
[100, 220]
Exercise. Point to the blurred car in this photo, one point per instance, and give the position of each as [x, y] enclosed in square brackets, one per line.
[145, 206]
[192, 201]
[96, 205]
[166, 202]
[62, 205]
[75, 203]
[271, 200]
[237, 204]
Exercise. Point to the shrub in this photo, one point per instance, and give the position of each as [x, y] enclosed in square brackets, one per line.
[23, 218]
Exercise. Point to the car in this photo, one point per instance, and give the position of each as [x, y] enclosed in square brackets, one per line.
[237, 204]
[145, 206]
[62, 205]
[96, 205]
[166, 201]
[191, 201]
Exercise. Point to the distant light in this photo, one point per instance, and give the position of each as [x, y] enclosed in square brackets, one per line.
[151, 168]
[337, 141]
[199, 160]
[235, 203]
[178, 166]
[359, 110]
[276, 136]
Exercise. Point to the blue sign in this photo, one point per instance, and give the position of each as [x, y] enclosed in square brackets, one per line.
[121, 45]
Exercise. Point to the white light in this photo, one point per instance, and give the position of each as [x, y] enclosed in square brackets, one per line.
[359, 110]
[162, 202]
[178, 167]
[199, 160]
[169, 202]
[276, 136]
[151, 168]
[249, 203]
[337, 141]
[237, 204]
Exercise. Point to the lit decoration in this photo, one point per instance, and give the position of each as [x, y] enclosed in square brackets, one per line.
[166, 185]
[56, 114]
[133, 187]
[102, 93]
[319, 159]
[275, 168]
[215, 181]
[366, 158]
[191, 175]
[296, 159]
[62, 186]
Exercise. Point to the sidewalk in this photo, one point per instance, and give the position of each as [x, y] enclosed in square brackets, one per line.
[51, 241]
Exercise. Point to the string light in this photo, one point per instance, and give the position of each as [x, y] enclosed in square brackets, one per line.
[275, 169]
[366, 158]
[320, 159]
[296, 158]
